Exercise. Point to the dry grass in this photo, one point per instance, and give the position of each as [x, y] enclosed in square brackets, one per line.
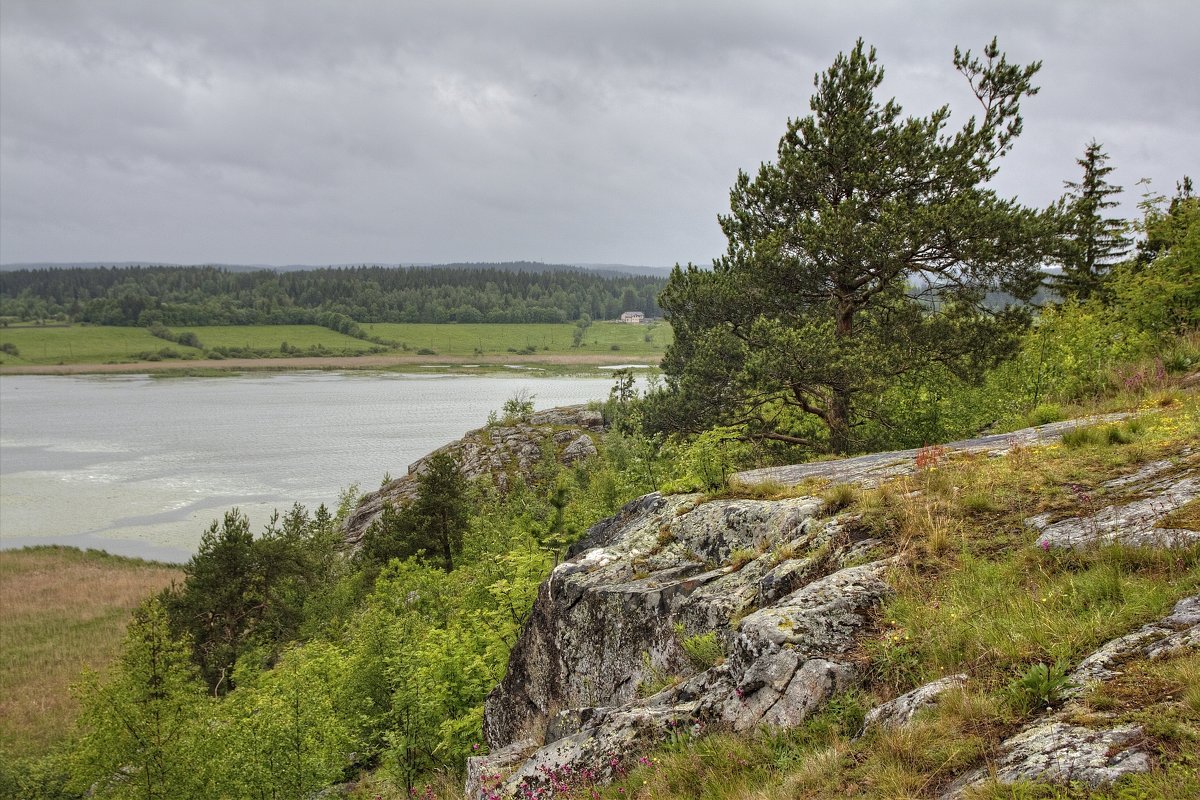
[1186, 516]
[60, 609]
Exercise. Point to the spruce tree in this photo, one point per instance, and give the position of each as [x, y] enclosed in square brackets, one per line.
[1095, 242]
[139, 725]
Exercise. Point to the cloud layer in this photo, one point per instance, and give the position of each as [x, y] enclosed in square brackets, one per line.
[286, 131]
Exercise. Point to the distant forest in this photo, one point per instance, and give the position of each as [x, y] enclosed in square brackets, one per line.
[160, 295]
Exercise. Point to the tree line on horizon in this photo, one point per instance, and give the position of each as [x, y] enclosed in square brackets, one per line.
[208, 295]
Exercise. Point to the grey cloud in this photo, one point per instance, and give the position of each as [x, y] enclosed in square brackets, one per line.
[584, 131]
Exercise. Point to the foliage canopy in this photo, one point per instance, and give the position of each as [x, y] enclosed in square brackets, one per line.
[862, 254]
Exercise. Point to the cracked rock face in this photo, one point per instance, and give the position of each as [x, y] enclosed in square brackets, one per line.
[1061, 753]
[784, 683]
[901, 710]
[496, 452]
[1137, 522]
[604, 621]
[610, 620]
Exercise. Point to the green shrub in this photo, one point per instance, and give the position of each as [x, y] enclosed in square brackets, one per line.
[1041, 686]
[1182, 356]
[1046, 413]
[710, 458]
[517, 408]
[703, 650]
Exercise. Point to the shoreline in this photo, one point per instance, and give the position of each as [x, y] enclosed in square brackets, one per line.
[557, 362]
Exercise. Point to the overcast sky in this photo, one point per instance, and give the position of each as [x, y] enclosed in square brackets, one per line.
[602, 131]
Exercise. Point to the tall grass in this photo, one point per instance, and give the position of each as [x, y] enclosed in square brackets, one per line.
[60, 609]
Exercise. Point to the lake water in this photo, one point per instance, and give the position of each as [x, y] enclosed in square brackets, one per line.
[140, 466]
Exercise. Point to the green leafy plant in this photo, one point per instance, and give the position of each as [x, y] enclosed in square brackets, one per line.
[1041, 686]
[517, 408]
[709, 459]
[1046, 413]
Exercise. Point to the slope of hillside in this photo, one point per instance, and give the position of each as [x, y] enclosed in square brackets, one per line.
[964, 593]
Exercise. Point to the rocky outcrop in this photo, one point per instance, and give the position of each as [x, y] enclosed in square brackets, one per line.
[1060, 753]
[901, 710]
[766, 578]
[604, 666]
[1139, 520]
[1178, 631]
[500, 452]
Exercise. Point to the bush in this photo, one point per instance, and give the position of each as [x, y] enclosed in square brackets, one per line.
[1040, 687]
[703, 650]
[10, 348]
[710, 458]
[517, 408]
[1046, 413]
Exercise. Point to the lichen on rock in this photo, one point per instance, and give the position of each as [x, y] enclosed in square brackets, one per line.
[608, 621]
[499, 453]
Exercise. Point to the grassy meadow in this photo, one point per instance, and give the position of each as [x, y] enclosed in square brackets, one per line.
[90, 344]
[485, 339]
[271, 337]
[81, 344]
[61, 609]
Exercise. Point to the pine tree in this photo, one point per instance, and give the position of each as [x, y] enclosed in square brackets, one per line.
[861, 256]
[1096, 242]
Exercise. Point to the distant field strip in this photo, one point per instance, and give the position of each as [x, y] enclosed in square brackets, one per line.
[80, 344]
[486, 339]
[270, 337]
[89, 344]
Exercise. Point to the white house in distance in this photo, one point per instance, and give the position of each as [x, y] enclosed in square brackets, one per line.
[633, 317]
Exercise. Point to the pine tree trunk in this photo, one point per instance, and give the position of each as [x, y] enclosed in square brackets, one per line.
[839, 405]
[839, 421]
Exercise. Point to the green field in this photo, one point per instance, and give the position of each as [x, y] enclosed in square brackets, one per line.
[270, 337]
[483, 339]
[82, 344]
[90, 344]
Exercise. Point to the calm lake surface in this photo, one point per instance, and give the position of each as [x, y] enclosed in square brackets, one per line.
[140, 466]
